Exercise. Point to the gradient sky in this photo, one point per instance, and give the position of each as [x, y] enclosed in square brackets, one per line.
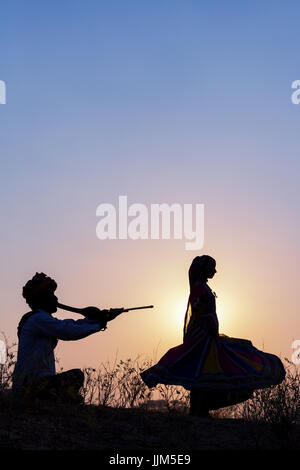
[162, 101]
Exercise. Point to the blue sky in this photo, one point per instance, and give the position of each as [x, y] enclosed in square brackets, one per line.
[164, 101]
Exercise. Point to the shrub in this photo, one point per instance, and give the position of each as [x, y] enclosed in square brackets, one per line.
[6, 370]
[117, 385]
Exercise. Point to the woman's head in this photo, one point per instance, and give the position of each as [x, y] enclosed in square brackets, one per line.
[202, 268]
[39, 293]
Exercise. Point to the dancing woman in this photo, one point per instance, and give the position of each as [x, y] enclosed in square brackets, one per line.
[218, 370]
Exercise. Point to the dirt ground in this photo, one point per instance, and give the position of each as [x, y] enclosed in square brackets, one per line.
[82, 427]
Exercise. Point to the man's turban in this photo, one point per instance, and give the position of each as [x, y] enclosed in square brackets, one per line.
[38, 286]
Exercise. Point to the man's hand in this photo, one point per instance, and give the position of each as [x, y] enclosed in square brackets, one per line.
[101, 316]
[94, 313]
[113, 313]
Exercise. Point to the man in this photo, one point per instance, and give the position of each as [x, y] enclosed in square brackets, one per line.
[38, 331]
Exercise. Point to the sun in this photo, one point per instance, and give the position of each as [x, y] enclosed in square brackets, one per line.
[179, 313]
[176, 312]
[175, 316]
[173, 308]
[226, 314]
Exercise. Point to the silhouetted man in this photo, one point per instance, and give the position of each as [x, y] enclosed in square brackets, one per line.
[38, 331]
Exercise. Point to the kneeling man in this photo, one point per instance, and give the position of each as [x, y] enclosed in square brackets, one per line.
[38, 332]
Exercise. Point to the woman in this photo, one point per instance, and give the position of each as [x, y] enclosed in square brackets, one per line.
[218, 370]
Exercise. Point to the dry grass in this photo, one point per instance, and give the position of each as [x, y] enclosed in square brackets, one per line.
[6, 369]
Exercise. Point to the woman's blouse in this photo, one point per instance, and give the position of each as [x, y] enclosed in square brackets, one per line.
[201, 313]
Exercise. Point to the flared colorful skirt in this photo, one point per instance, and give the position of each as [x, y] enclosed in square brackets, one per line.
[216, 364]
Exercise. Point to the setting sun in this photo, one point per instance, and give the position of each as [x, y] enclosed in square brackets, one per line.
[174, 316]
[178, 313]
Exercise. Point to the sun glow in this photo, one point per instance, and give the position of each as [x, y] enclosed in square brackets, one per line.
[175, 316]
[173, 308]
[179, 313]
[225, 313]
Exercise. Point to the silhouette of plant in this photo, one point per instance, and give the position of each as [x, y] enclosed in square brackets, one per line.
[176, 398]
[6, 370]
[118, 384]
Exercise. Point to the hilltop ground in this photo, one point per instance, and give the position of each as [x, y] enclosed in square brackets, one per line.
[83, 427]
